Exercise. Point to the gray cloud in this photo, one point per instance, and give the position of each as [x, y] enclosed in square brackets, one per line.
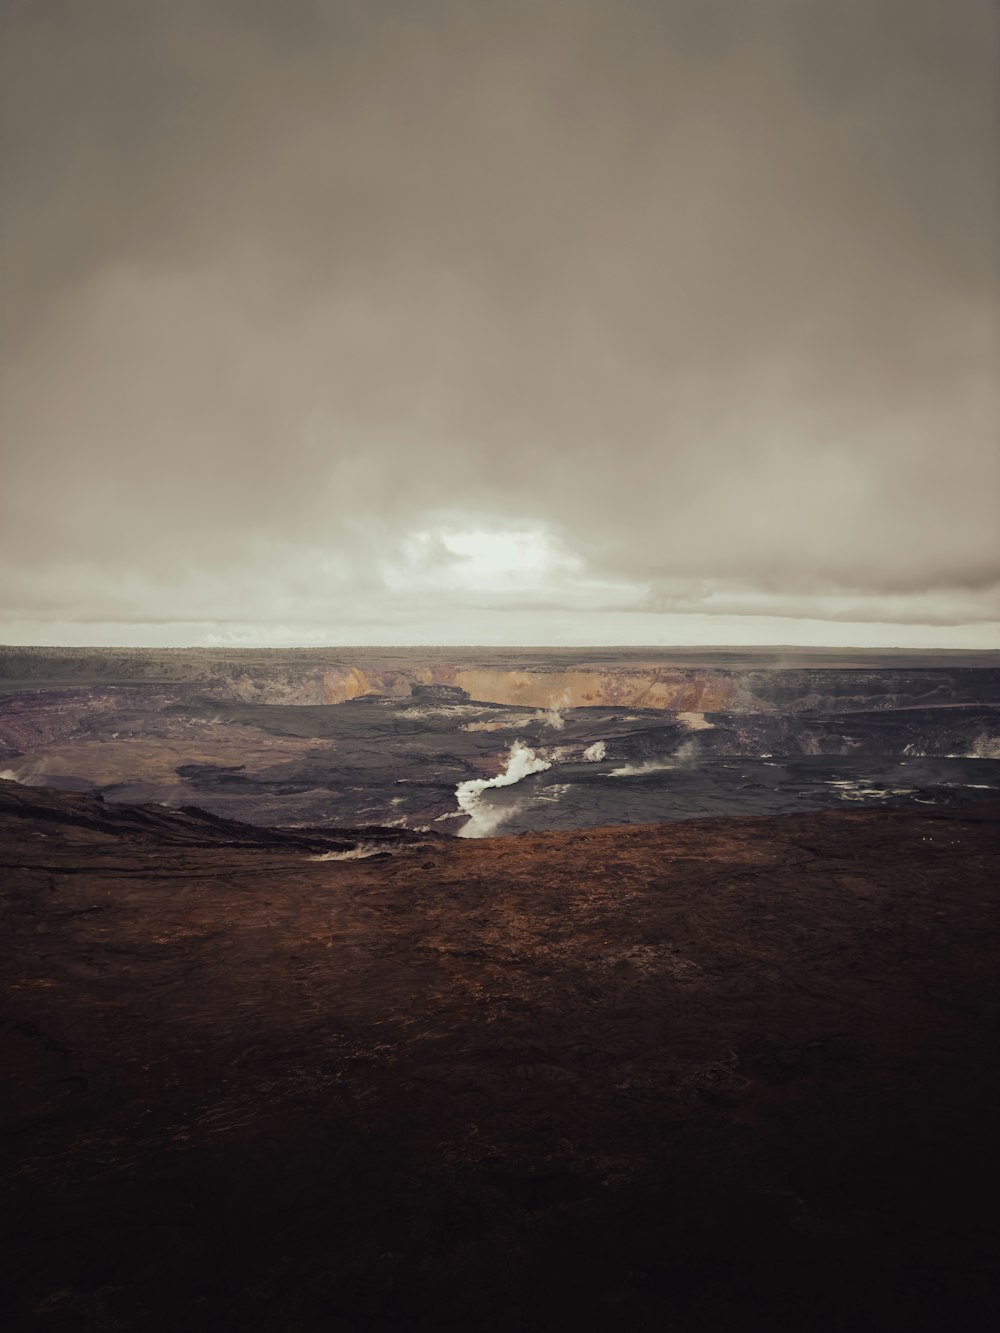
[705, 291]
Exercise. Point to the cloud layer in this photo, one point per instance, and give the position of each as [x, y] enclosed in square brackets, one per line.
[695, 301]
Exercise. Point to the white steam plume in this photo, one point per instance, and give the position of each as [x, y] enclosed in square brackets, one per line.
[484, 819]
[553, 717]
[360, 853]
[595, 753]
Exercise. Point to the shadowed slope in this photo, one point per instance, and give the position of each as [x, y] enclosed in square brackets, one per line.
[729, 1075]
[159, 826]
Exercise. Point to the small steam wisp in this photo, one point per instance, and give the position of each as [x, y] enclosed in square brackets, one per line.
[360, 853]
[484, 820]
[684, 754]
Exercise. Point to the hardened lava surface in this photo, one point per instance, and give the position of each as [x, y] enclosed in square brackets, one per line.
[732, 1074]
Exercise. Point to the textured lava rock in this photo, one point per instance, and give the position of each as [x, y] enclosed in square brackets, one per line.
[738, 1074]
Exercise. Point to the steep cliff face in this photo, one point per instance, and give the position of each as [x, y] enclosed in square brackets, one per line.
[644, 688]
[339, 686]
[669, 689]
[677, 690]
[333, 685]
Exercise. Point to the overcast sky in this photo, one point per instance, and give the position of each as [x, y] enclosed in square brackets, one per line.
[405, 321]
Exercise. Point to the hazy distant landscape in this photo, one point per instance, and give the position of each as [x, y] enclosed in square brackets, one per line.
[402, 737]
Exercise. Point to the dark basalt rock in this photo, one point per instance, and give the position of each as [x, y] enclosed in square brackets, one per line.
[187, 825]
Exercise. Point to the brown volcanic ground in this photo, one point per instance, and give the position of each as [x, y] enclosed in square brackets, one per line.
[738, 1074]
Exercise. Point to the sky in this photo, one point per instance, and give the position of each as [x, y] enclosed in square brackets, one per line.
[564, 322]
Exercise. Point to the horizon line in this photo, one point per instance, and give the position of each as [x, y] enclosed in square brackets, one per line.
[492, 647]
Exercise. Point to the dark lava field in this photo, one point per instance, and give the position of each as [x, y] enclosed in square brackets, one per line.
[386, 737]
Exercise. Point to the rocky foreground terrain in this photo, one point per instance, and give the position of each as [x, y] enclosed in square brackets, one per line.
[733, 1074]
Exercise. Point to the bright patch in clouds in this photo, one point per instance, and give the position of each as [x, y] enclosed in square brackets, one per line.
[482, 561]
